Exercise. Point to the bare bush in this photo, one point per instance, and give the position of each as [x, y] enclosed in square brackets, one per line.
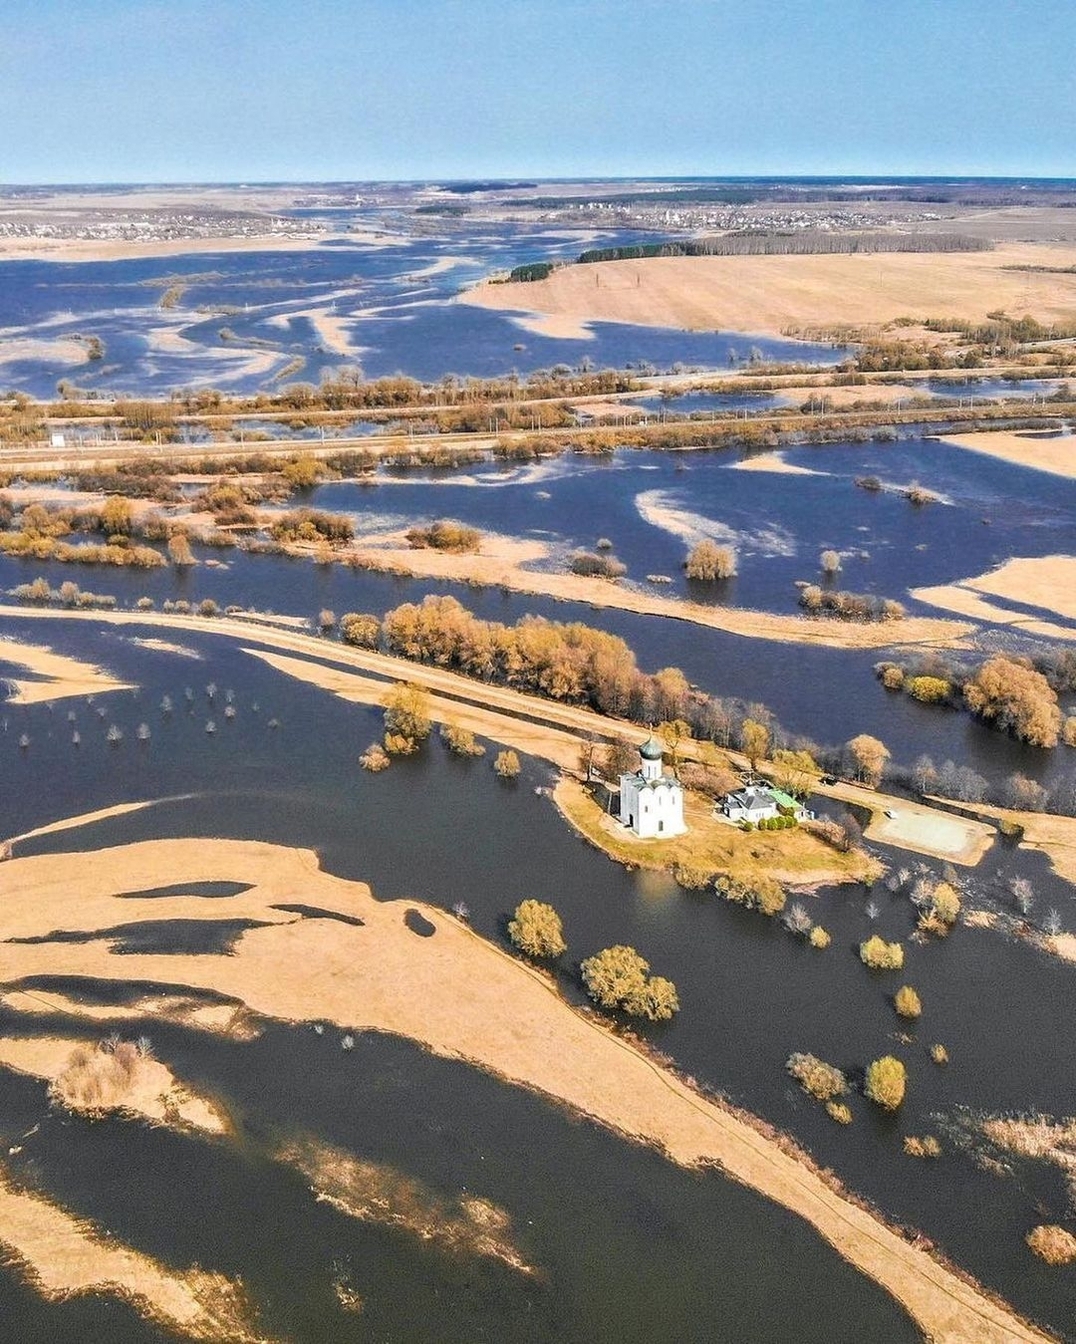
[708, 562]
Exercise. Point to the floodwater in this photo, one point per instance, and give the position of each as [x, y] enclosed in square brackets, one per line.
[628, 1247]
[242, 321]
[625, 1245]
[626, 1240]
[653, 507]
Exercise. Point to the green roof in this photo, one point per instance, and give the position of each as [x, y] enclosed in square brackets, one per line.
[783, 799]
[651, 750]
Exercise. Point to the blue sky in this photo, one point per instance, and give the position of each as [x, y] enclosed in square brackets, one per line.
[249, 90]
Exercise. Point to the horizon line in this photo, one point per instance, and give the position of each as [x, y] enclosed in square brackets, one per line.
[526, 179]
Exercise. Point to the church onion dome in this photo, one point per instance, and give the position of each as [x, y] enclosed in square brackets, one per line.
[651, 750]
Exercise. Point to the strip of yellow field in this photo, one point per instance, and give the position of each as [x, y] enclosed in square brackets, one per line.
[127, 249]
[89, 818]
[1053, 836]
[773, 463]
[60, 677]
[147, 1088]
[501, 565]
[221, 1019]
[774, 293]
[64, 1256]
[449, 992]
[377, 1193]
[1047, 581]
[1024, 449]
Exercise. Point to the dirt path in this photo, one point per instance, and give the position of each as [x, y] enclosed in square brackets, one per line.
[484, 707]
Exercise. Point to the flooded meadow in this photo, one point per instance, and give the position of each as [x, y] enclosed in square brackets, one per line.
[368, 1182]
[587, 1209]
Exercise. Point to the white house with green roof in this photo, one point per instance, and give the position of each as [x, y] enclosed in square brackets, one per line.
[652, 802]
[761, 802]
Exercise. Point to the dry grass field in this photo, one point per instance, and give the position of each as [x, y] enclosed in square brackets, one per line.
[1024, 449]
[772, 294]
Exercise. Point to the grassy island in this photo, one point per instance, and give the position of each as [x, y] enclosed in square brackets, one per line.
[712, 846]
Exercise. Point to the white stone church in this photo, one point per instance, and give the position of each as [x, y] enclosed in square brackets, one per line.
[652, 802]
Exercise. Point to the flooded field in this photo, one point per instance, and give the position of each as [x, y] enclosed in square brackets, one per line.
[653, 507]
[370, 1183]
[586, 1208]
[250, 320]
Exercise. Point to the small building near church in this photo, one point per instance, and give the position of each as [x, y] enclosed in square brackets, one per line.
[652, 802]
[762, 802]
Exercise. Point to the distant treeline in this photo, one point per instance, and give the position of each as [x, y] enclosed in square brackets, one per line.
[1002, 333]
[533, 270]
[807, 242]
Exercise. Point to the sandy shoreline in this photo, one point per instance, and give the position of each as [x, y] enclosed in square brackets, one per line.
[448, 993]
[1047, 582]
[60, 677]
[1039, 452]
[772, 294]
[501, 562]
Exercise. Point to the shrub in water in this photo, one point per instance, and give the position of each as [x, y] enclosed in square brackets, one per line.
[817, 1077]
[1053, 1244]
[880, 955]
[537, 930]
[886, 1081]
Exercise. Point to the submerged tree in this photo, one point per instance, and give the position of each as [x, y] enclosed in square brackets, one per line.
[179, 551]
[906, 1002]
[461, 741]
[507, 765]
[880, 955]
[886, 1081]
[1013, 695]
[536, 929]
[707, 561]
[407, 718]
[618, 977]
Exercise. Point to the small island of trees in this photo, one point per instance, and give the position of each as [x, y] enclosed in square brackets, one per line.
[619, 977]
